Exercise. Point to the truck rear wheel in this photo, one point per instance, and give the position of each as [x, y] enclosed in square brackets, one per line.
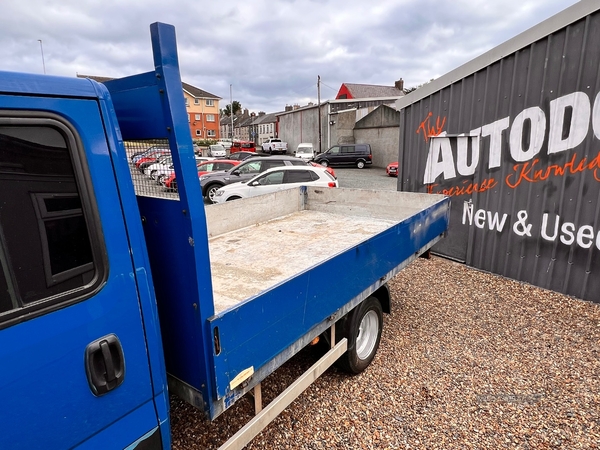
[362, 327]
[360, 164]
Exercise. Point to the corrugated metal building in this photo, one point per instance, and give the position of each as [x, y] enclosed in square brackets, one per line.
[514, 137]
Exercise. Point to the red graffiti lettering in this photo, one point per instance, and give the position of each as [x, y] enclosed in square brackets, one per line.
[466, 188]
[527, 172]
[430, 130]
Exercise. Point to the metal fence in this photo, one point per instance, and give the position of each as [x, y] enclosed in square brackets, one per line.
[151, 168]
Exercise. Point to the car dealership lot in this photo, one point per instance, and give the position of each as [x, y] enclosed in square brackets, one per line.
[367, 178]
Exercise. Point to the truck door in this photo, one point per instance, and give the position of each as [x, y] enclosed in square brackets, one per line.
[75, 370]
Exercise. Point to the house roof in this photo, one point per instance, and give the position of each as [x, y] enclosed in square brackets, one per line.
[192, 90]
[369, 91]
[196, 92]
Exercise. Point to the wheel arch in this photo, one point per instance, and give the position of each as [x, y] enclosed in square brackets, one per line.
[383, 295]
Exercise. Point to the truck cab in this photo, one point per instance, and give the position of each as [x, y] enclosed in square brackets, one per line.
[78, 335]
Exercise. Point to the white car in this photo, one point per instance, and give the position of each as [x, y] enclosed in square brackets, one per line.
[305, 151]
[165, 167]
[276, 179]
[217, 151]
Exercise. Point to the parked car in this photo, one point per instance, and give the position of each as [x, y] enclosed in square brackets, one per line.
[151, 158]
[215, 165]
[274, 145]
[164, 167]
[225, 142]
[305, 151]
[276, 179]
[240, 156]
[358, 155]
[218, 151]
[243, 146]
[249, 168]
[148, 151]
[392, 169]
[327, 168]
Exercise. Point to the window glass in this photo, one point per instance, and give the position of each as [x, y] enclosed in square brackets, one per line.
[272, 178]
[270, 163]
[334, 150]
[298, 176]
[251, 167]
[45, 246]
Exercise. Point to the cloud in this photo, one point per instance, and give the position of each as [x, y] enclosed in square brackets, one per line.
[270, 52]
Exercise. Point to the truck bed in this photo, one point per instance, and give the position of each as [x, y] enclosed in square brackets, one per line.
[249, 256]
[248, 261]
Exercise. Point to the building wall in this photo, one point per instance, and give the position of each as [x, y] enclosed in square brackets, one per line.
[299, 126]
[380, 130]
[516, 144]
[199, 113]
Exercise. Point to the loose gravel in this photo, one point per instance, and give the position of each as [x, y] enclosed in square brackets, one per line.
[467, 360]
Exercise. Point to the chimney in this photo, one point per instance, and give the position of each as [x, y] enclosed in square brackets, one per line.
[399, 84]
[288, 108]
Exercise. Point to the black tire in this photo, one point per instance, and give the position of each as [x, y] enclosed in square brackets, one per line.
[210, 191]
[362, 327]
[324, 163]
[360, 164]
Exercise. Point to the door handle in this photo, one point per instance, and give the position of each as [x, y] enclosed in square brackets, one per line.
[104, 364]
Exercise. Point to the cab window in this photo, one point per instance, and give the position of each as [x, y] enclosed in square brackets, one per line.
[49, 243]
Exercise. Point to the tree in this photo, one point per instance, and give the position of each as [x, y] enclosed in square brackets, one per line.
[237, 107]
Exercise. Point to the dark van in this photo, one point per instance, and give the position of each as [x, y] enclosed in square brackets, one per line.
[243, 146]
[357, 155]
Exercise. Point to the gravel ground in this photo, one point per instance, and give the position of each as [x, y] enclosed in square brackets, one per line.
[467, 360]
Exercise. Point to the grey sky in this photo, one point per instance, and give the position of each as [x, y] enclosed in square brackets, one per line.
[270, 51]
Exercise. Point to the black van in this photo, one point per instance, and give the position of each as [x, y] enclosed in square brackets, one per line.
[347, 154]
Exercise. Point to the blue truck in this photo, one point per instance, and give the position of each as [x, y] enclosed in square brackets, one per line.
[113, 297]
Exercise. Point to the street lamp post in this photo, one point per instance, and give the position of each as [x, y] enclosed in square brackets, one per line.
[42, 50]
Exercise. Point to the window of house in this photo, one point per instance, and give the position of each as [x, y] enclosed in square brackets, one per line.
[196, 101]
[210, 117]
[211, 133]
[198, 132]
[210, 102]
[187, 101]
[197, 117]
[50, 247]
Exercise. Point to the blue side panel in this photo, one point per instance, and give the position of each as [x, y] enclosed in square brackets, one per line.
[135, 93]
[172, 258]
[293, 307]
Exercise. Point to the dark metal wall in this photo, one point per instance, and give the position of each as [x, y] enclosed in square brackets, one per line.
[516, 144]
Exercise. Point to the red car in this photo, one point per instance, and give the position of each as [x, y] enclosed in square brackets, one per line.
[392, 169]
[151, 158]
[213, 165]
[328, 168]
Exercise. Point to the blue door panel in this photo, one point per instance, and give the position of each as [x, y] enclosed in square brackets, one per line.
[45, 399]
